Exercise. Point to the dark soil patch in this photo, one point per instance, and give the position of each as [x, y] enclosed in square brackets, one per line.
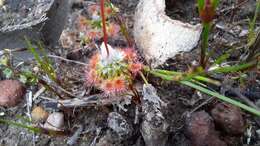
[185, 11]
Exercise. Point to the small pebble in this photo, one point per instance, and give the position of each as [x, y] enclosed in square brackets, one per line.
[200, 129]
[2, 114]
[229, 118]
[243, 33]
[11, 93]
[39, 114]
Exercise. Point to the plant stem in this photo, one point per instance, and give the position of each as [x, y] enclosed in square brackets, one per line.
[105, 38]
[43, 62]
[143, 77]
[209, 92]
[204, 45]
[205, 90]
[228, 69]
[167, 72]
[235, 68]
[123, 26]
[173, 73]
[207, 80]
[253, 37]
[124, 31]
[221, 97]
[256, 14]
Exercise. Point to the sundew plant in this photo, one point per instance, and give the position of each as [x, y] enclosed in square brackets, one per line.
[112, 70]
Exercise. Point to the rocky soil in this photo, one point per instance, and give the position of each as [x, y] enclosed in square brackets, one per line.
[169, 114]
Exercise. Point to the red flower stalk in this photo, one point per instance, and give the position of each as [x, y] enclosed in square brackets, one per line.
[102, 8]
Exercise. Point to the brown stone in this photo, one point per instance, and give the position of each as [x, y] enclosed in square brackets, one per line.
[229, 118]
[39, 114]
[200, 129]
[11, 93]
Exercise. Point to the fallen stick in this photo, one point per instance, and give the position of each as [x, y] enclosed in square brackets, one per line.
[92, 100]
[80, 102]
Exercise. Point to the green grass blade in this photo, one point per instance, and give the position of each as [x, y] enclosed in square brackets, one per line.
[221, 97]
[169, 75]
[24, 119]
[235, 68]
[215, 3]
[252, 34]
[201, 4]
[222, 58]
[205, 43]
[44, 63]
[47, 65]
[33, 129]
[207, 80]
[207, 91]
[33, 51]
[43, 52]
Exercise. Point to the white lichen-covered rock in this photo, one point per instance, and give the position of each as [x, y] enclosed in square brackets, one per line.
[160, 37]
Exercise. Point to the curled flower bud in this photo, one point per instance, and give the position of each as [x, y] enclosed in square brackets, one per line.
[207, 10]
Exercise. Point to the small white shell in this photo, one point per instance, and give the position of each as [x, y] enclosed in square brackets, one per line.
[55, 121]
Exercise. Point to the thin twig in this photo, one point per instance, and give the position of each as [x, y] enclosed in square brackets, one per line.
[2, 52]
[67, 60]
[143, 77]
[65, 91]
[202, 104]
[92, 100]
[80, 102]
[38, 93]
[29, 104]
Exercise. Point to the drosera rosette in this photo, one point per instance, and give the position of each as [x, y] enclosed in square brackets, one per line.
[114, 73]
[91, 25]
